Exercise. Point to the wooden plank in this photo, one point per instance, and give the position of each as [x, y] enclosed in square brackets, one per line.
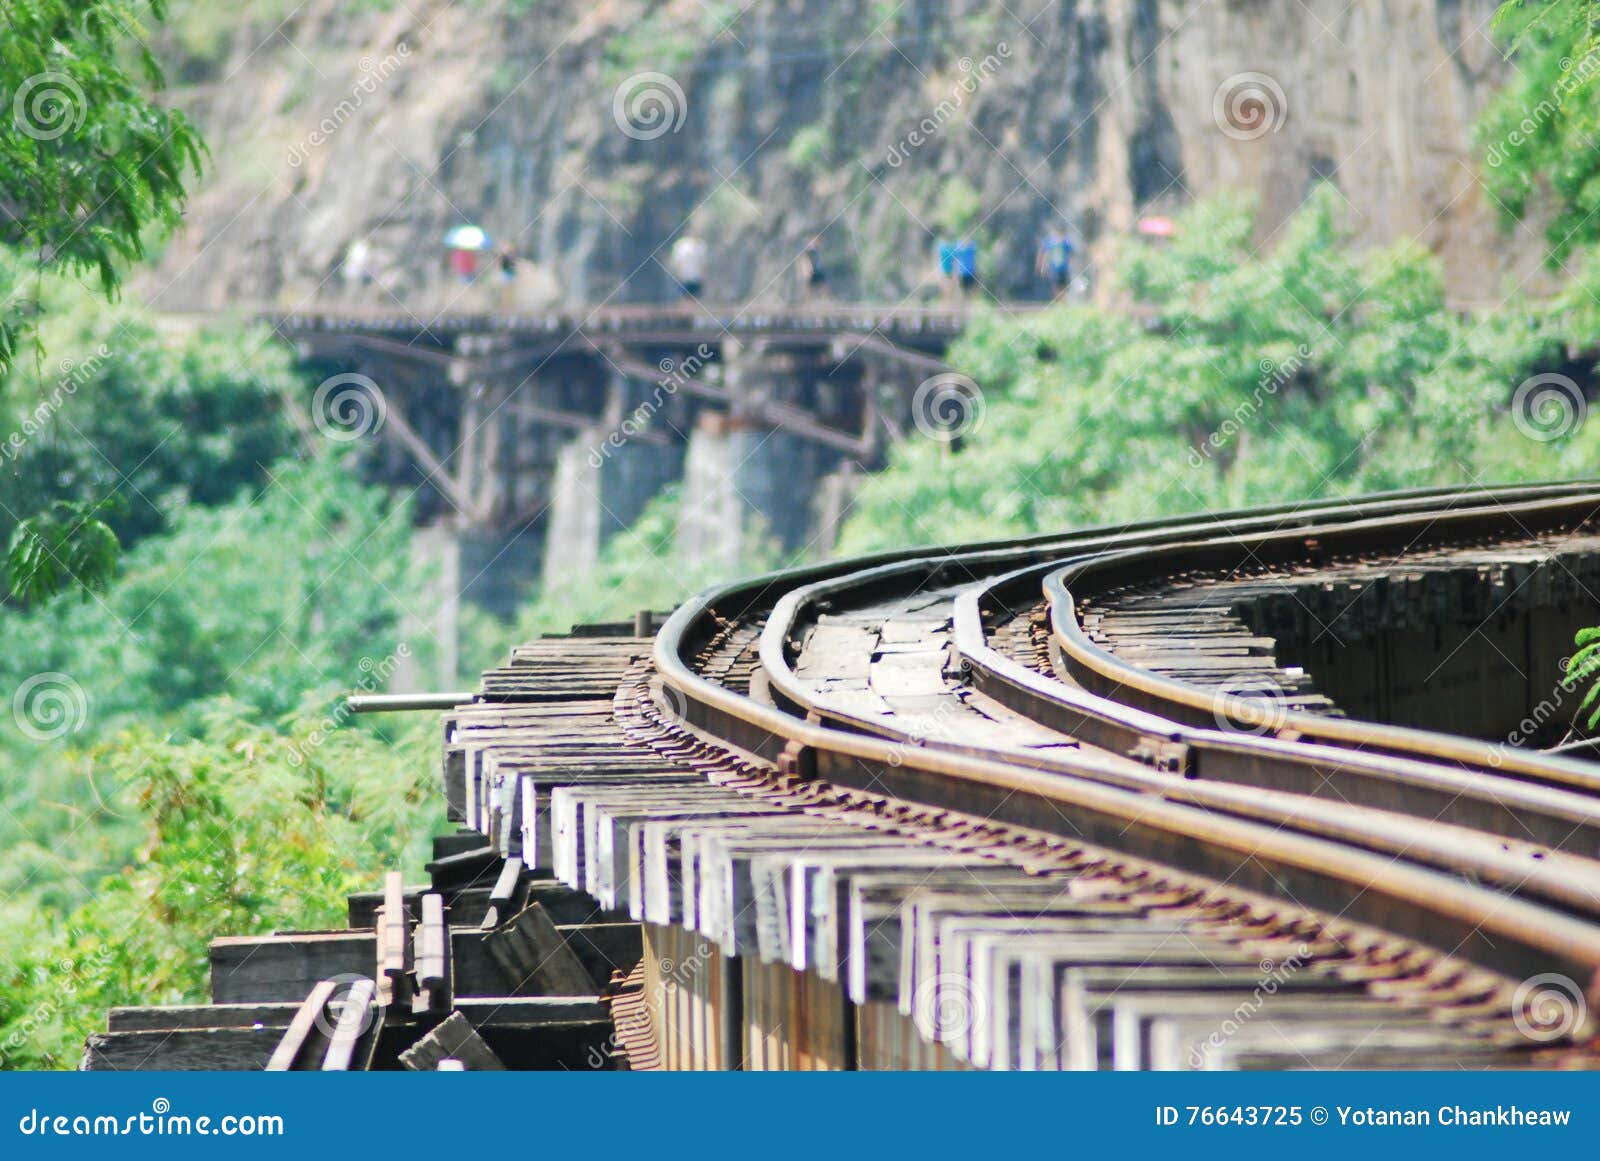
[433, 957]
[605, 948]
[467, 869]
[301, 1028]
[181, 1050]
[284, 968]
[394, 949]
[357, 1019]
[503, 894]
[482, 1011]
[454, 1039]
[530, 1011]
[180, 1016]
[457, 843]
[530, 947]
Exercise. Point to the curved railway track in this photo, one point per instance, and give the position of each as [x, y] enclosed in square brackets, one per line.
[1224, 792]
[908, 676]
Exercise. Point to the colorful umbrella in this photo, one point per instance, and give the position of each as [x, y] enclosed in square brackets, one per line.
[467, 238]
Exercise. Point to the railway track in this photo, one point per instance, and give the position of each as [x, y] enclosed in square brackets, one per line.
[1246, 791]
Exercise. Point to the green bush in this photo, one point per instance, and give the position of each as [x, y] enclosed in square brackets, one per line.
[111, 407]
[245, 830]
[1308, 370]
[810, 149]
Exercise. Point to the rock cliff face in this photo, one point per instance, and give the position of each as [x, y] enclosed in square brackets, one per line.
[586, 135]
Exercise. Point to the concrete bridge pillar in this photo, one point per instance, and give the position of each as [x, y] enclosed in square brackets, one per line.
[492, 570]
[603, 481]
[745, 485]
[789, 419]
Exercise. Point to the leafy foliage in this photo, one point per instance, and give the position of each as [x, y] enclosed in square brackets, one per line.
[128, 425]
[90, 163]
[67, 543]
[245, 830]
[91, 168]
[1540, 134]
[207, 786]
[1584, 666]
[1303, 371]
[258, 600]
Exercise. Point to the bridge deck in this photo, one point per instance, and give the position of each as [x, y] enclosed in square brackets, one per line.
[644, 321]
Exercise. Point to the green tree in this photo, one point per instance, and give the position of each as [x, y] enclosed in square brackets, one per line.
[273, 604]
[1306, 370]
[243, 830]
[90, 162]
[1541, 134]
[141, 420]
[90, 167]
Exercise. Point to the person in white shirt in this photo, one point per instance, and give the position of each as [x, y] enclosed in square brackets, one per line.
[689, 264]
[358, 267]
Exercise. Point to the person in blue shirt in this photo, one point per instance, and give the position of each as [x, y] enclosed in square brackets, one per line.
[967, 264]
[1054, 260]
[958, 266]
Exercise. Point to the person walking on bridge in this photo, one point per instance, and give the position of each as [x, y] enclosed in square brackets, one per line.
[359, 268]
[466, 245]
[958, 267]
[813, 276]
[688, 263]
[1054, 260]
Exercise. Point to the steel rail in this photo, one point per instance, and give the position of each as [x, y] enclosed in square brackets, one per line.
[1489, 927]
[1535, 819]
[1519, 810]
[1506, 815]
[1563, 820]
[1101, 672]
